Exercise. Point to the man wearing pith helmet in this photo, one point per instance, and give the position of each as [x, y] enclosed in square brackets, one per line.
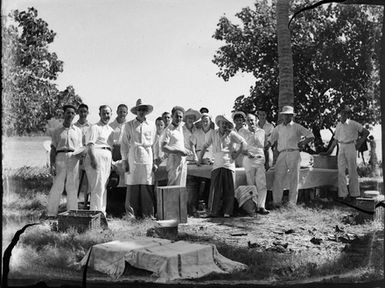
[137, 154]
[288, 135]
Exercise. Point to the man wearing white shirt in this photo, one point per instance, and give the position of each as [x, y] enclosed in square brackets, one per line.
[239, 119]
[137, 154]
[99, 158]
[288, 136]
[268, 128]
[64, 164]
[347, 137]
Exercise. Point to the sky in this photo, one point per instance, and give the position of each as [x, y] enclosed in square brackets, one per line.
[161, 51]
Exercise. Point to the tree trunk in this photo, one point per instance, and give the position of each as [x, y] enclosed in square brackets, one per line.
[285, 57]
[382, 90]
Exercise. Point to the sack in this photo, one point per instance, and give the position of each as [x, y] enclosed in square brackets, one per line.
[249, 207]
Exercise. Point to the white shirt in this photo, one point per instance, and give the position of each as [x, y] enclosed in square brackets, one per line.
[288, 136]
[85, 128]
[118, 131]
[268, 128]
[100, 135]
[199, 138]
[348, 131]
[67, 138]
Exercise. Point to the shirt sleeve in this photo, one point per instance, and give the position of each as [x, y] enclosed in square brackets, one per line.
[304, 132]
[92, 135]
[125, 145]
[358, 126]
[165, 138]
[235, 137]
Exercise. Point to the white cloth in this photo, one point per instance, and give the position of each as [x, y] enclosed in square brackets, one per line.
[347, 131]
[347, 159]
[222, 148]
[168, 261]
[246, 192]
[67, 174]
[243, 132]
[176, 165]
[84, 128]
[67, 138]
[101, 135]
[118, 128]
[138, 140]
[288, 136]
[188, 140]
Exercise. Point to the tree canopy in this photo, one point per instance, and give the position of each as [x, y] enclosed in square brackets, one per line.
[335, 55]
[30, 96]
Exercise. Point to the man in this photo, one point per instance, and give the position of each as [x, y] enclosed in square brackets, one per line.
[84, 126]
[166, 118]
[190, 116]
[173, 145]
[99, 158]
[137, 154]
[254, 161]
[159, 155]
[288, 136]
[268, 128]
[221, 198]
[239, 119]
[116, 195]
[346, 136]
[64, 164]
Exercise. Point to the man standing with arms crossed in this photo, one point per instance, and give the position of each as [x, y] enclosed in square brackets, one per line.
[137, 154]
[99, 158]
[346, 136]
[288, 134]
[64, 165]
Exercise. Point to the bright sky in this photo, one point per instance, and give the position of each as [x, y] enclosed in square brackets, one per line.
[116, 51]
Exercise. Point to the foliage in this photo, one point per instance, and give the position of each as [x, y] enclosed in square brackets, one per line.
[30, 96]
[335, 55]
[26, 178]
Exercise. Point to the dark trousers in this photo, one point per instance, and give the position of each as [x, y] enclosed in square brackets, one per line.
[221, 198]
[140, 200]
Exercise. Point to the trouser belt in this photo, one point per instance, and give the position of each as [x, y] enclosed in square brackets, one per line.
[349, 142]
[65, 151]
[289, 150]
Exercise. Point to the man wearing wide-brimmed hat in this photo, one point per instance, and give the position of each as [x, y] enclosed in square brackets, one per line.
[190, 116]
[137, 154]
[288, 136]
[347, 137]
[173, 145]
[239, 119]
[221, 198]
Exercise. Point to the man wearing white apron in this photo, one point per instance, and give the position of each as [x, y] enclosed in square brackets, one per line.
[137, 154]
[64, 165]
[173, 144]
[98, 159]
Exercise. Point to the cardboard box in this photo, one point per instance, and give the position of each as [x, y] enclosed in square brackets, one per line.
[327, 162]
[172, 203]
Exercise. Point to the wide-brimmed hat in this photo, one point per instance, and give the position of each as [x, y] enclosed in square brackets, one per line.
[192, 112]
[223, 117]
[238, 113]
[139, 104]
[287, 110]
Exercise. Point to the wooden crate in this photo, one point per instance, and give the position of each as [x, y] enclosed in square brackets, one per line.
[171, 203]
[328, 162]
[81, 220]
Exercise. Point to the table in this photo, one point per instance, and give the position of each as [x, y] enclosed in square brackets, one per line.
[309, 177]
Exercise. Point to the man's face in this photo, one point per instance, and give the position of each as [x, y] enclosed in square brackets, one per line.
[142, 112]
[238, 121]
[105, 115]
[224, 126]
[343, 116]
[59, 114]
[287, 118]
[250, 120]
[167, 119]
[69, 115]
[83, 113]
[190, 119]
[205, 122]
[159, 126]
[262, 115]
[122, 112]
[177, 117]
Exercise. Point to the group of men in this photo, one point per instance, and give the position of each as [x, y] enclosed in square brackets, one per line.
[135, 149]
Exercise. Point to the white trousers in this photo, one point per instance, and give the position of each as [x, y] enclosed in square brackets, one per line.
[286, 170]
[67, 175]
[176, 170]
[347, 159]
[256, 176]
[98, 178]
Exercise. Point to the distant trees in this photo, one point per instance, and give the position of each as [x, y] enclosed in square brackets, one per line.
[335, 55]
[30, 96]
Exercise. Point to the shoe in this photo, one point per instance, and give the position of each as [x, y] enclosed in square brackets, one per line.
[263, 211]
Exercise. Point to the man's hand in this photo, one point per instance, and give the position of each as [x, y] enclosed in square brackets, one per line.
[53, 170]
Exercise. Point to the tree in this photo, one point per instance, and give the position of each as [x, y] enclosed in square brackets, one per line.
[335, 60]
[30, 95]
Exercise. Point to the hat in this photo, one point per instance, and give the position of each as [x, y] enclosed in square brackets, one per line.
[205, 114]
[134, 109]
[192, 112]
[239, 113]
[287, 110]
[223, 117]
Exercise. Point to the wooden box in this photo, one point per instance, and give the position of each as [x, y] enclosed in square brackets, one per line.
[81, 220]
[327, 162]
[369, 205]
[171, 203]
